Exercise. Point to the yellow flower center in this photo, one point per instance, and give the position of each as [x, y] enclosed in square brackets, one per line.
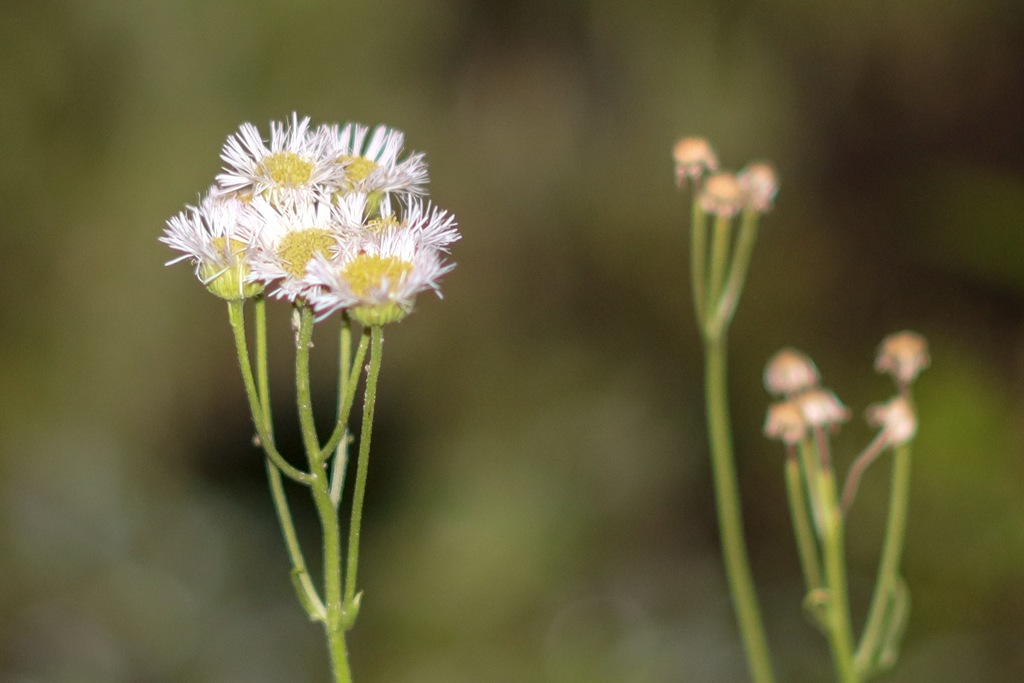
[288, 169]
[298, 247]
[382, 223]
[367, 272]
[358, 168]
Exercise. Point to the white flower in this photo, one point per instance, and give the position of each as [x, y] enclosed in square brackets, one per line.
[211, 235]
[372, 165]
[287, 236]
[376, 279]
[433, 227]
[296, 166]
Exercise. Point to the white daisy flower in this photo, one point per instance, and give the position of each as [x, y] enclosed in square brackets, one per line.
[376, 279]
[433, 227]
[296, 166]
[371, 161]
[287, 236]
[211, 235]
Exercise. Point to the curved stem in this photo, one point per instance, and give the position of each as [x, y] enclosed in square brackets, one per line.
[369, 399]
[734, 552]
[738, 268]
[236, 316]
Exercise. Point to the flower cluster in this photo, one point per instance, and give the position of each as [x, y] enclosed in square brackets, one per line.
[331, 217]
[722, 193]
[805, 405]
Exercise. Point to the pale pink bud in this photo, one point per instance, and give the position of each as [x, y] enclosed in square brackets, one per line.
[822, 408]
[693, 157]
[760, 184]
[903, 355]
[721, 195]
[789, 372]
[896, 417]
[785, 422]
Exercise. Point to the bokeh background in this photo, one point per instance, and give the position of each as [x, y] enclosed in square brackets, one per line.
[540, 505]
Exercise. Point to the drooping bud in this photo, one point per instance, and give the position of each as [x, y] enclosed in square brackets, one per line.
[694, 157]
[759, 183]
[822, 408]
[903, 355]
[721, 195]
[789, 372]
[896, 417]
[785, 422]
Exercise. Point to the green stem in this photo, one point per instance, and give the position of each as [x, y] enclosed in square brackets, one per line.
[738, 267]
[698, 259]
[734, 552]
[807, 548]
[339, 441]
[369, 400]
[721, 237]
[334, 623]
[304, 588]
[887, 583]
[837, 606]
[236, 316]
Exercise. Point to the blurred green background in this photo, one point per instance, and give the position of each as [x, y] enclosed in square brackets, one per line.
[539, 505]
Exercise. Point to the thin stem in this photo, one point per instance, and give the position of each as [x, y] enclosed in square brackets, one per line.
[867, 456]
[319, 488]
[720, 240]
[738, 268]
[837, 607]
[734, 552]
[698, 258]
[807, 548]
[304, 588]
[887, 583]
[369, 400]
[340, 440]
[236, 316]
[303, 342]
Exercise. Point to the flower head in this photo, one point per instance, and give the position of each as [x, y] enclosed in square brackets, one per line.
[294, 167]
[785, 421]
[287, 238]
[694, 157]
[903, 355]
[759, 184]
[377, 278]
[897, 419]
[371, 162]
[721, 195]
[210, 234]
[789, 372]
[822, 408]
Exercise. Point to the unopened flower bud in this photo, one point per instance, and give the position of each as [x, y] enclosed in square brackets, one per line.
[721, 195]
[822, 408]
[903, 355]
[693, 157]
[789, 372]
[759, 184]
[896, 417]
[785, 422]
